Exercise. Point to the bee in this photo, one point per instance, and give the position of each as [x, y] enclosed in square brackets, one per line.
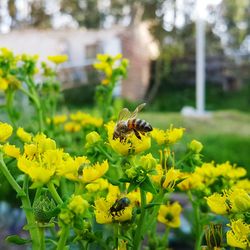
[119, 206]
[127, 123]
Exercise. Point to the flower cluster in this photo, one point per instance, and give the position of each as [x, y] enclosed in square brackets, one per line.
[95, 189]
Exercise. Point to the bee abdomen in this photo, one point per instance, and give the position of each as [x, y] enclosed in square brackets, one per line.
[143, 126]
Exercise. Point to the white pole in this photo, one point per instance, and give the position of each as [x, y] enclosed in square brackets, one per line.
[200, 59]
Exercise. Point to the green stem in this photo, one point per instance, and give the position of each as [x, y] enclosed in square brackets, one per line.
[183, 158]
[10, 178]
[197, 222]
[9, 107]
[140, 225]
[31, 222]
[105, 153]
[42, 238]
[165, 241]
[63, 238]
[54, 193]
[116, 233]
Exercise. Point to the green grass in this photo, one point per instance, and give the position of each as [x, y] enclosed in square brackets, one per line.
[225, 136]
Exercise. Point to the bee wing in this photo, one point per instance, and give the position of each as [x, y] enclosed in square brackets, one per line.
[137, 110]
[124, 114]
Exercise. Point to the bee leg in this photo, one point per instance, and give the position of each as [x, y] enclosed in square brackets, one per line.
[137, 134]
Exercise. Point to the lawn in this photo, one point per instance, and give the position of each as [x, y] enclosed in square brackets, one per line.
[225, 135]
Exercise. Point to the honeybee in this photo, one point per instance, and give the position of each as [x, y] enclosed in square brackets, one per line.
[127, 123]
[119, 206]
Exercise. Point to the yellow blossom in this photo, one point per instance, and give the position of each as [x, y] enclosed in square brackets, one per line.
[5, 131]
[103, 214]
[219, 203]
[238, 236]
[170, 136]
[135, 197]
[11, 150]
[3, 84]
[72, 127]
[92, 173]
[158, 177]
[58, 59]
[97, 185]
[171, 177]
[239, 199]
[132, 145]
[40, 159]
[78, 205]
[170, 215]
[190, 181]
[242, 184]
[230, 172]
[23, 135]
[59, 119]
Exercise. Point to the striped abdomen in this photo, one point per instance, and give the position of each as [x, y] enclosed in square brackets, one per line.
[140, 125]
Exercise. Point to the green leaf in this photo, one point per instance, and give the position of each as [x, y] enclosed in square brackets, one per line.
[148, 186]
[133, 186]
[124, 180]
[15, 239]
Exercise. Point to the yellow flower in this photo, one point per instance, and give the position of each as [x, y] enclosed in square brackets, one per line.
[170, 215]
[157, 178]
[132, 145]
[195, 146]
[97, 185]
[190, 181]
[5, 131]
[171, 177]
[11, 150]
[242, 184]
[92, 173]
[103, 214]
[231, 172]
[58, 119]
[58, 59]
[170, 136]
[239, 199]
[238, 236]
[40, 159]
[23, 135]
[78, 205]
[43, 143]
[3, 84]
[72, 127]
[135, 197]
[219, 203]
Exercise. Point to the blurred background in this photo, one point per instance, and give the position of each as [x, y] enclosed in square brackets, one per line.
[160, 39]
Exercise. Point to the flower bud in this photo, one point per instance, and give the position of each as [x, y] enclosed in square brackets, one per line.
[195, 146]
[44, 209]
[131, 172]
[148, 162]
[92, 137]
[78, 205]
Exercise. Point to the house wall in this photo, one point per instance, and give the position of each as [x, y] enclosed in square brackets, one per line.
[133, 43]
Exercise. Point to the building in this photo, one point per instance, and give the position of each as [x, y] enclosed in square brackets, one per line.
[82, 45]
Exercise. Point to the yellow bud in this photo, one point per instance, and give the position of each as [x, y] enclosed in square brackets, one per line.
[78, 205]
[92, 137]
[148, 162]
[5, 131]
[195, 146]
